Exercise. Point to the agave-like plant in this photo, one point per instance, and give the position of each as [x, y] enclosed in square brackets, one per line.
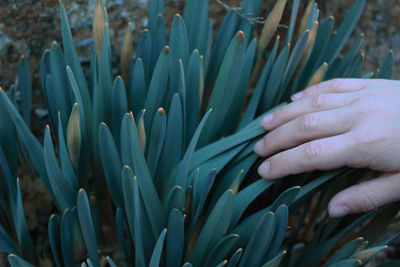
[137, 187]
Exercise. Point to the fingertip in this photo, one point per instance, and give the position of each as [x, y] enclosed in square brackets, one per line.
[336, 211]
[259, 147]
[264, 169]
[297, 96]
[267, 120]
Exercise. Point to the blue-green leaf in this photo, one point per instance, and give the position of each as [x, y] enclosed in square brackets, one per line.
[16, 261]
[132, 209]
[64, 191]
[175, 239]
[158, 248]
[137, 87]
[86, 224]
[25, 88]
[156, 141]
[214, 228]
[119, 106]
[259, 241]
[131, 144]
[111, 163]
[54, 238]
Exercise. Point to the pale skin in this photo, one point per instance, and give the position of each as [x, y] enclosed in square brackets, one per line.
[337, 123]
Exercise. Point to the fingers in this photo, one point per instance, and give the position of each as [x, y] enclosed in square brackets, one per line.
[312, 104]
[338, 86]
[323, 154]
[366, 196]
[305, 128]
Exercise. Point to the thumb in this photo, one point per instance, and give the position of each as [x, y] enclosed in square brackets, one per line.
[366, 196]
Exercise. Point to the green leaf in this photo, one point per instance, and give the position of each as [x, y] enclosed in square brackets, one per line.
[347, 263]
[156, 141]
[246, 196]
[119, 106]
[233, 116]
[184, 166]
[196, 20]
[84, 112]
[111, 262]
[6, 243]
[137, 87]
[292, 24]
[179, 45]
[67, 236]
[25, 88]
[175, 239]
[221, 250]
[275, 262]
[158, 248]
[173, 145]
[350, 57]
[175, 200]
[71, 59]
[222, 96]
[64, 192]
[16, 261]
[62, 96]
[221, 44]
[158, 87]
[156, 7]
[87, 228]
[295, 57]
[66, 164]
[194, 86]
[54, 238]
[111, 163]
[143, 52]
[271, 91]
[337, 41]
[256, 98]
[32, 146]
[282, 217]
[234, 260]
[386, 70]
[214, 228]
[365, 255]
[21, 228]
[132, 209]
[259, 241]
[345, 251]
[158, 38]
[130, 145]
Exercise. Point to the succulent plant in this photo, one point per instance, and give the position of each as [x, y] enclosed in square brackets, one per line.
[155, 167]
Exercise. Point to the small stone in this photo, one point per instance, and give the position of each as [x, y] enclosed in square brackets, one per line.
[5, 41]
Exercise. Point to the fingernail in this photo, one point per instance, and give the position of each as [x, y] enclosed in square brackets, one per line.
[297, 96]
[263, 170]
[259, 146]
[338, 211]
[267, 119]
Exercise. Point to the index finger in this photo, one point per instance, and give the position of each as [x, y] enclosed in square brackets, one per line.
[337, 86]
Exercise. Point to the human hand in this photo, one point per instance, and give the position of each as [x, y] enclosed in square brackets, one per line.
[341, 122]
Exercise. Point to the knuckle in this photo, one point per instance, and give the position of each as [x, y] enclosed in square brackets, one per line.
[334, 83]
[368, 203]
[369, 137]
[318, 101]
[308, 122]
[282, 112]
[312, 150]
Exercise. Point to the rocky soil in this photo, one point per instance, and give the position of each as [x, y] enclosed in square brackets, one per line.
[27, 27]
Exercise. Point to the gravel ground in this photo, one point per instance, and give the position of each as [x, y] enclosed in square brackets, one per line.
[27, 27]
